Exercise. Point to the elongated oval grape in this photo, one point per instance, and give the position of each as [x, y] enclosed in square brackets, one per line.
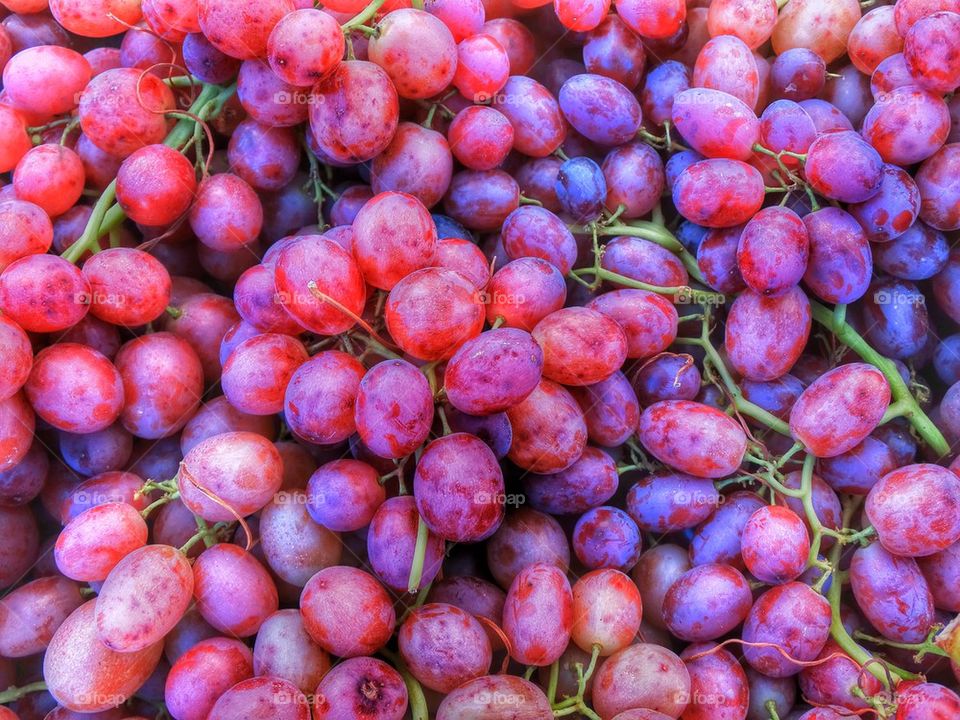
[840, 408]
[31, 614]
[538, 614]
[93, 542]
[641, 676]
[793, 617]
[143, 597]
[693, 438]
[478, 700]
[84, 675]
[234, 592]
[549, 432]
[444, 646]
[706, 602]
[718, 192]
[203, 673]
[765, 336]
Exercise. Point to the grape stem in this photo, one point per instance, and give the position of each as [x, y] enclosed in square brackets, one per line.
[419, 554]
[363, 16]
[15, 693]
[415, 696]
[905, 404]
[921, 649]
[879, 669]
[576, 705]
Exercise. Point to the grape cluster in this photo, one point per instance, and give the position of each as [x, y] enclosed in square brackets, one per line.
[479, 359]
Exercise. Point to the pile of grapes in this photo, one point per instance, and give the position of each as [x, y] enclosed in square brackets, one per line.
[479, 359]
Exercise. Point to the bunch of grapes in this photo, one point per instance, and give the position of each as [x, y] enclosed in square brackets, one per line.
[479, 359]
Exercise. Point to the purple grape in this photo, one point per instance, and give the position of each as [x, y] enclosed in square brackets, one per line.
[606, 537]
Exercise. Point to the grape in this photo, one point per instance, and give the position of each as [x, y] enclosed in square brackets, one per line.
[693, 438]
[797, 74]
[892, 211]
[417, 161]
[234, 592]
[204, 321]
[772, 251]
[534, 232]
[765, 336]
[343, 495]
[432, 312]
[668, 501]
[249, 699]
[51, 177]
[129, 614]
[549, 431]
[718, 538]
[203, 673]
[354, 113]
[655, 20]
[16, 143]
[321, 396]
[581, 188]
[45, 80]
[93, 542]
[391, 541]
[108, 487]
[718, 192]
[861, 165]
[312, 262]
[775, 544]
[606, 610]
[526, 537]
[518, 42]
[83, 674]
[74, 388]
[654, 574]
[383, 429]
[774, 396]
[580, 346]
[600, 108]
[939, 570]
[24, 481]
[480, 137]
[715, 124]
[706, 602]
[917, 254]
[819, 25]
[228, 475]
[525, 291]
[782, 692]
[726, 64]
[31, 614]
[263, 156]
[241, 34]
[842, 407]
[393, 235]
[891, 593]
[127, 286]
[635, 179]
[535, 115]
[667, 376]
[925, 699]
[791, 616]
[155, 185]
[641, 676]
[43, 293]
[897, 318]
[284, 650]
[891, 73]
[219, 416]
[538, 614]
[939, 189]
[483, 699]
[122, 110]
[907, 125]
[750, 20]
[927, 51]
[466, 258]
[925, 486]
[483, 67]
[642, 260]
[840, 263]
[269, 100]
[20, 551]
[325, 607]
[606, 537]
[717, 259]
[612, 50]
[444, 647]
[26, 230]
[589, 482]
[206, 62]
[831, 682]
[463, 19]
[493, 372]
[308, 29]
[294, 545]
[610, 409]
[718, 685]
[256, 373]
[17, 357]
[826, 504]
